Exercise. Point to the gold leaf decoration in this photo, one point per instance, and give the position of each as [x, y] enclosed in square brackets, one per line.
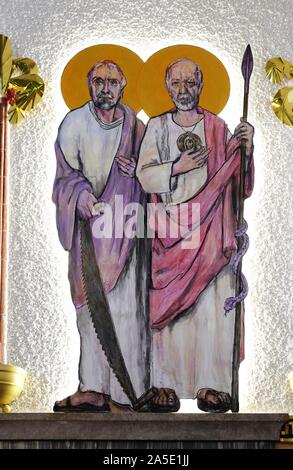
[277, 68]
[25, 65]
[288, 70]
[282, 105]
[15, 114]
[29, 91]
[19, 82]
[5, 63]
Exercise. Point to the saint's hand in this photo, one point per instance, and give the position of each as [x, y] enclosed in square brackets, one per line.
[245, 131]
[85, 205]
[126, 166]
[98, 208]
[190, 160]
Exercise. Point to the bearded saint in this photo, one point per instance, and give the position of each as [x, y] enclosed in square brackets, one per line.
[96, 149]
[192, 340]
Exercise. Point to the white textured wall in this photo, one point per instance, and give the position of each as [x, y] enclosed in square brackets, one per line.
[41, 329]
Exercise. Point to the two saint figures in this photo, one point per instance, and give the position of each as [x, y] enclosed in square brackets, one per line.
[148, 216]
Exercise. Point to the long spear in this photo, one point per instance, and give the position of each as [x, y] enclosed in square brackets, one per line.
[247, 67]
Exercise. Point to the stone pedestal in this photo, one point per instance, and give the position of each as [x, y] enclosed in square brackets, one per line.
[140, 431]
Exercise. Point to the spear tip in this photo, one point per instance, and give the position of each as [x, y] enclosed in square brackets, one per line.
[247, 63]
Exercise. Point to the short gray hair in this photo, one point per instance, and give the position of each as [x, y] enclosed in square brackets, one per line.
[110, 64]
[198, 72]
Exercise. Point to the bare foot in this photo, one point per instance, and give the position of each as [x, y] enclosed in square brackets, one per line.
[209, 399]
[83, 401]
[165, 400]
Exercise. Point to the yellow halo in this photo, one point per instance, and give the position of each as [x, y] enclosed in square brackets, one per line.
[154, 96]
[74, 78]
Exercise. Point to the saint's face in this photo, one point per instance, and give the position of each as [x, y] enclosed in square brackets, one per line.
[106, 87]
[183, 86]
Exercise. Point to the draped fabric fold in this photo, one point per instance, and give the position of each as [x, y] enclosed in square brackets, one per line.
[180, 274]
[112, 253]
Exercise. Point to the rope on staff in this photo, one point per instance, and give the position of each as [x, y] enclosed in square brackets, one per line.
[241, 287]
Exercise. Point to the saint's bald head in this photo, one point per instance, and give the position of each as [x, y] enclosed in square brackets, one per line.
[106, 82]
[184, 83]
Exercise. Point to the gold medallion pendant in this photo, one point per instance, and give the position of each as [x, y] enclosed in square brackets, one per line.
[189, 141]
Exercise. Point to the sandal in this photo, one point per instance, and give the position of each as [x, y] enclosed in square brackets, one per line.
[155, 407]
[82, 407]
[221, 405]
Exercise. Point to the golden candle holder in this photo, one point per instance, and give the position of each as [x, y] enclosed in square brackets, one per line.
[11, 385]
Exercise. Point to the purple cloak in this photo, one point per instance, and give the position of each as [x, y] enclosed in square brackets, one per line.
[112, 254]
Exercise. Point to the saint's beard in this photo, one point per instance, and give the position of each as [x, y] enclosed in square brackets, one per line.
[185, 102]
[105, 101]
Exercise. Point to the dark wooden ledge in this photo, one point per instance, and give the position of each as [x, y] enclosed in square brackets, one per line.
[141, 427]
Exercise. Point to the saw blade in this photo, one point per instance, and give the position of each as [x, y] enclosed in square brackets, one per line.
[100, 311]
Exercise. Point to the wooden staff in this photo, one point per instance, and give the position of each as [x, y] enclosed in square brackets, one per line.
[3, 221]
[247, 67]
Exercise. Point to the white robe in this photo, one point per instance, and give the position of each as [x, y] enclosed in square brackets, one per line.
[90, 145]
[195, 351]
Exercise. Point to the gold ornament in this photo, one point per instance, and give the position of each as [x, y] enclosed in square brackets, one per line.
[189, 141]
[20, 91]
[282, 105]
[288, 69]
[25, 65]
[11, 385]
[5, 63]
[277, 69]
[19, 81]
[287, 431]
[29, 91]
